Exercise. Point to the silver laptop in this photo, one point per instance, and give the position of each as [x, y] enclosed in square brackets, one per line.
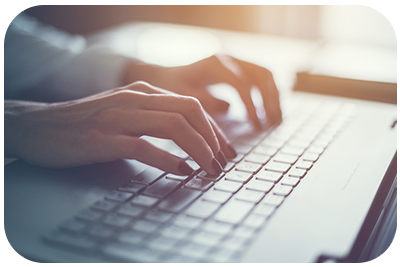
[319, 187]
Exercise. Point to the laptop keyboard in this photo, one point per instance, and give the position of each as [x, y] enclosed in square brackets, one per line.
[161, 217]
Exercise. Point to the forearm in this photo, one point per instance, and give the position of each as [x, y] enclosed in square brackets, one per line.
[15, 125]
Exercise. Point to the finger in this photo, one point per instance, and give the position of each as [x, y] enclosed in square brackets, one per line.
[225, 144]
[210, 103]
[265, 83]
[161, 100]
[223, 69]
[128, 147]
[192, 111]
[166, 125]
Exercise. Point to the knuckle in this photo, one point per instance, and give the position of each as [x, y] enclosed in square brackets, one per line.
[192, 105]
[175, 121]
[139, 85]
[122, 95]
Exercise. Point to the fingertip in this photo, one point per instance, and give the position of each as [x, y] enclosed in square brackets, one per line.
[231, 152]
[221, 158]
[184, 168]
[216, 166]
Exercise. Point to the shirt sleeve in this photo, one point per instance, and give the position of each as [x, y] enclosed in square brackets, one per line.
[39, 59]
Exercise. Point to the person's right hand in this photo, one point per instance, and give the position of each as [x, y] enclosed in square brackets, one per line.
[107, 126]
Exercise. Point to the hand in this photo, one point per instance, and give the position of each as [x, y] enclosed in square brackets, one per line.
[107, 126]
[193, 79]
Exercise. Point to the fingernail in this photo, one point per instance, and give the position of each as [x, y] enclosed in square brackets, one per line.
[221, 158]
[184, 168]
[216, 166]
[231, 151]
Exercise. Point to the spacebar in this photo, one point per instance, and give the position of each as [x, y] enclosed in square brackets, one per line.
[179, 199]
[234, 211]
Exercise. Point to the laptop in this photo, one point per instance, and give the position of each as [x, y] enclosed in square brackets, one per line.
[311, 189]
[319, 187]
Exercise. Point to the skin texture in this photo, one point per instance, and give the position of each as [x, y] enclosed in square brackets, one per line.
[108, 126]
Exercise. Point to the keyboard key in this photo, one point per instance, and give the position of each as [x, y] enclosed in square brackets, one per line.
[217, 227]
[268, 176]
[89, 215]
[131, 237]
[273, 142]
[180, 178]
[217, 196]
[310, 156]
[162, 243]
[301, 164]
[73, 226]
[145, 226]
[213, 177]
[102, 232]
[134, 188]
[257, 158]
[187, 221]
[285, 158]
[277, 166]
[222, 255]
[299, 143]
[206, 238]
[228, 166]
[255, 220]
[131, 210]
[248, 167]
[234, 211]
[291, 150]
[298, 173]
[228, 186]
[316, 149]
[193, 165]
[199, 184]
[265, 150]
[104, 205]
[272, 199]
[249, 195]
[158, 215]
[291, 181]
[282, 190]
[119, 196]
[194, 250]
[238, 158]
[162, 188]
[242, 148]
[243, 231]
[130, 253]
[174, 231]
[260, 185]
[116, 220]
[202, 209]
[265, 209]
[148, 176]
[234, 243]
[238, 176]
[145, 201]
[179, 199]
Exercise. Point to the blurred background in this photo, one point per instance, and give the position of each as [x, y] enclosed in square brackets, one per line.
[349, 23]
[343, 41]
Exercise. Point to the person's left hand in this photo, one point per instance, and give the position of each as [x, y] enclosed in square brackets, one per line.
[193, 79]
